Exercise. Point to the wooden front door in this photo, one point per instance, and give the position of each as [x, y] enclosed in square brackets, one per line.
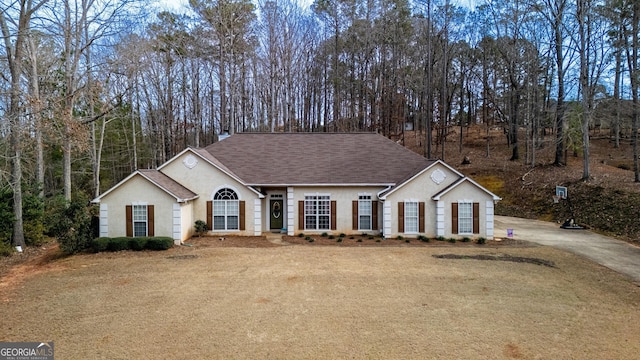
[276, 213]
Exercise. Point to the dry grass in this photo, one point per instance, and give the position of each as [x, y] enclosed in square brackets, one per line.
[309, 302]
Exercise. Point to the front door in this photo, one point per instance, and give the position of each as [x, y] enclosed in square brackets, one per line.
[277, 214]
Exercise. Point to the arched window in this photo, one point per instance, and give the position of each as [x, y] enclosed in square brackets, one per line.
[225, 210]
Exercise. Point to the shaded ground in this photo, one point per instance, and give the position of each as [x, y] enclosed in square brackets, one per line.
[324, 302]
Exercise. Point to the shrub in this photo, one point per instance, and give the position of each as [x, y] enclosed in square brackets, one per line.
[339, 240]
[423, 238]
[466, 239]
[331, 237]
[440, 238]
[342, 235]
[351, 237]
[311, 240]
[201, 227]
[481, 240]
[307, 238]
[301, 235]
[370, 237]
[400, 237]
[5, 248]
[159, 243]
[324, 234]
[407, 241]
[118, 244]
[72, 227]
[452, 240]
[138, 243]
[377, 240]
[359, 240]
[100, 244]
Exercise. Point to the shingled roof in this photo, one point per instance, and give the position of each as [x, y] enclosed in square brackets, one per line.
[279, 159]
[169, 185]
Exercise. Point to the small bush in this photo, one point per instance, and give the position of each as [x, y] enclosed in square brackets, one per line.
[159, 243]
[407, 241]
[377, 240]
[138, 243]
[370, 237]
[452, 240]
[342, 235]
[331, 237]
[324, 234]
[308, 238]
[339, 240]
[118, 244]
[466, 239]
[5, 249]
[359, 240]
[423, 238]
[400, 237]
[351, 237]
[100, 244]
[311, 240]
[301, 235]
[440, 238]
[201, 227]
[481, 240]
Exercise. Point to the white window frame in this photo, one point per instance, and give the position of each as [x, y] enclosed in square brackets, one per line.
[226, 205]
[465, 217]
[365, 210]
[408, 226]
[140, 215]
[317, 207]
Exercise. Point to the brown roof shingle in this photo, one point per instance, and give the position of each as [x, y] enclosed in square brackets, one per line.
[316, 158]
[168, 184]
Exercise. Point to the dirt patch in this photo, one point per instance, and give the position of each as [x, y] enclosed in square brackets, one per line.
[378, 241]
[503, 257]
[229, 241]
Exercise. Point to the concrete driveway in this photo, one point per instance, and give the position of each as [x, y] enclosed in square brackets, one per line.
[614, 254]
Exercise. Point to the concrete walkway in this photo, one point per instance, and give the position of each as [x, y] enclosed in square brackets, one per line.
[614, 254]
[276, 238]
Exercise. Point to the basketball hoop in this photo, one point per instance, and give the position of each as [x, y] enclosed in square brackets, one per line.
[556, 199]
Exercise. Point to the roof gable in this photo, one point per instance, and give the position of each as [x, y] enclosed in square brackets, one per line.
[316, 159]
[449, 188]
[160, 180]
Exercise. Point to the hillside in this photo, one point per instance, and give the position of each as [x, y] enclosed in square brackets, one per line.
[608, 203]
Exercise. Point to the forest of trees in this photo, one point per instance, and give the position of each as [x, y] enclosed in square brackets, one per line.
[94, 89]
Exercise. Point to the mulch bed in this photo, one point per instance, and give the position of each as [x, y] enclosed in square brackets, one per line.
[377, 241]
[503, 257]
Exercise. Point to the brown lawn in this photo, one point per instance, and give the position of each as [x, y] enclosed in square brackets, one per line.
[323, 302]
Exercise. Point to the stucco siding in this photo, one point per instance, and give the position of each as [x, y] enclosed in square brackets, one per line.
[421, 189]
[138, 191]
[344, 197]
[204, 179]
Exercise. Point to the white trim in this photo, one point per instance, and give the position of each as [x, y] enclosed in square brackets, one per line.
[290, 211]
[439, 195]
[304, 217]
[370, 215]
[465, 202]
[383, 197]
[386, 218]
[440, 228]
[177, 224]
[137, 172]
[417, 217]
[226, 186]
[257, 217]
[489, 219]
[104, 220]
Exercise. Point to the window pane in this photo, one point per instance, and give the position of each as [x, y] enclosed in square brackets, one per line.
[310, 222]
[219, 207]
[218, 223]
[232, 207]
[139, 212]
[140, 228]
[323, 222]
[232, 223]
[365, 222]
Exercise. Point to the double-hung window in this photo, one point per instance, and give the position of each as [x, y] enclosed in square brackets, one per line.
[364, 212]
[140, 220]
[317, 212]
[225, 210]
[411, 221]
[465, 218]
